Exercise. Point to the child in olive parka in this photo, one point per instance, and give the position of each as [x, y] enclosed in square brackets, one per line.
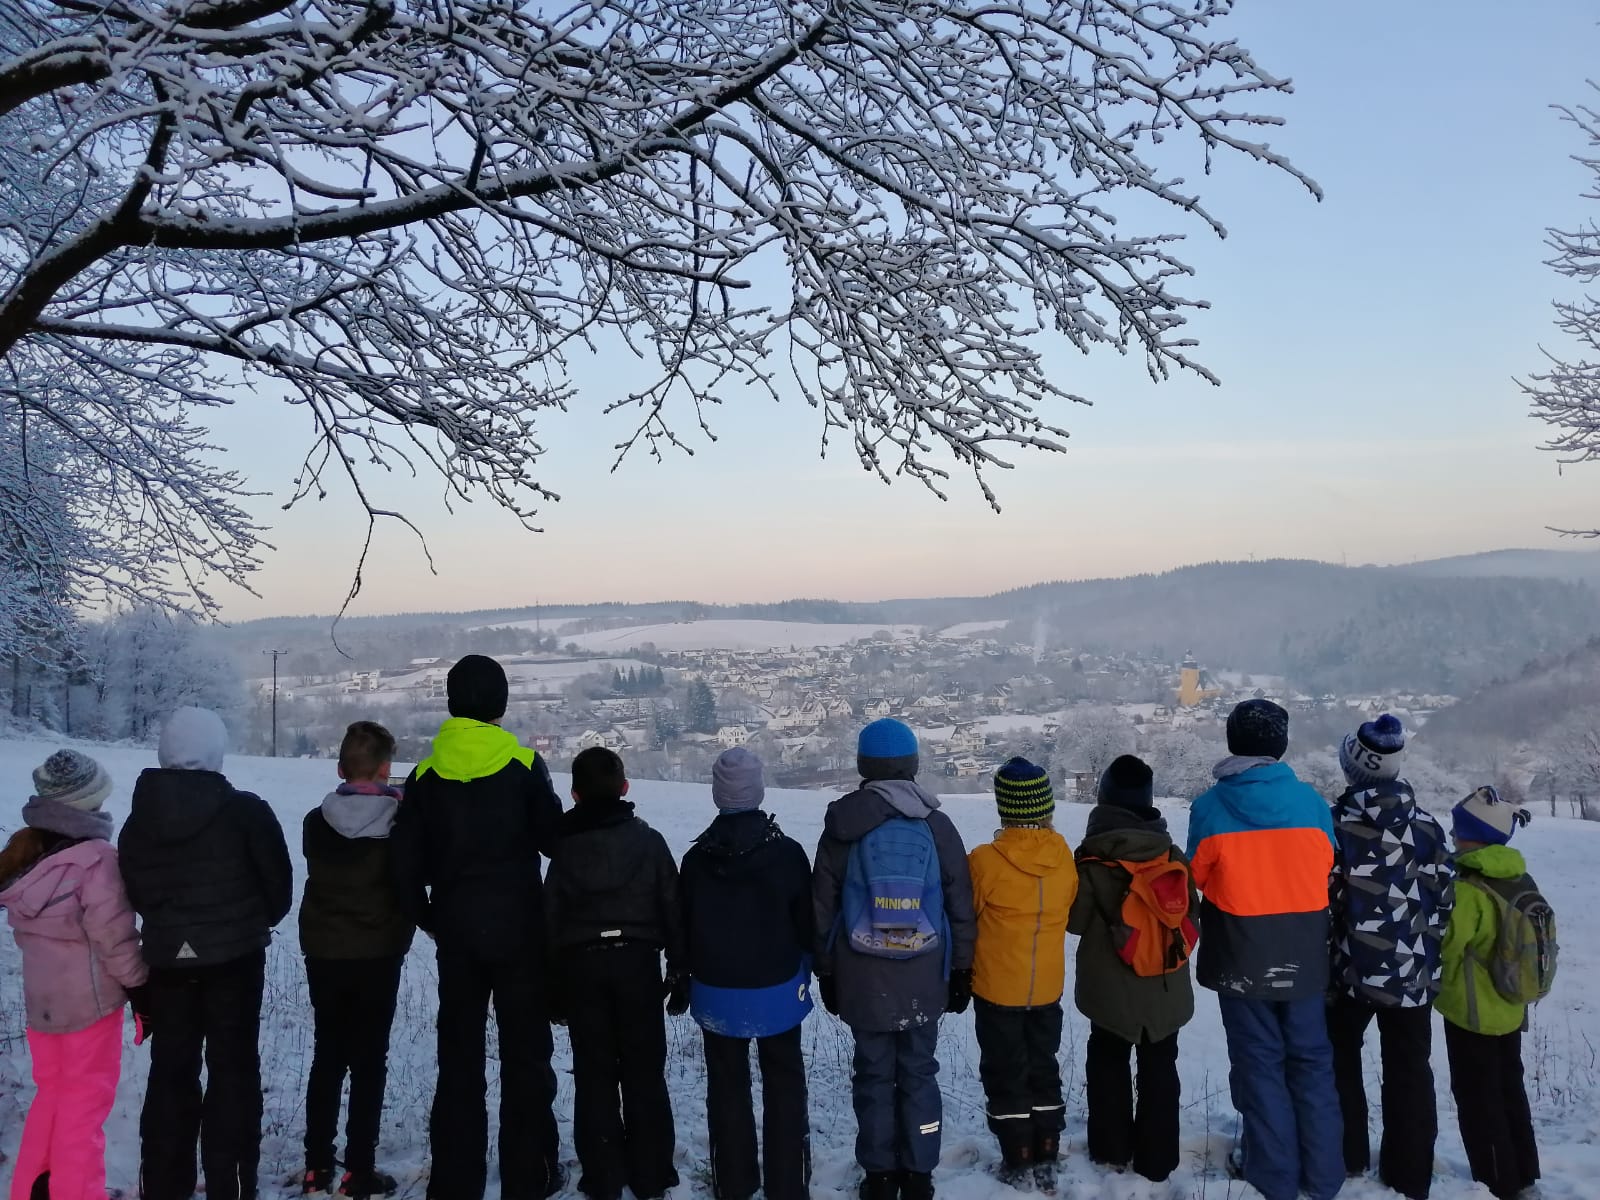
[1130, 1015]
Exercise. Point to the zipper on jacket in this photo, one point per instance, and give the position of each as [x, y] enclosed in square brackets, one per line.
[1033, 958]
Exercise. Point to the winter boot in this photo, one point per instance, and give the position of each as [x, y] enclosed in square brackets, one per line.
[1046, 1153]
[363, 1185]
[1234, 1164]
[317, 1181]
[880, 1185]
[916, 1185]
[1016, 1165]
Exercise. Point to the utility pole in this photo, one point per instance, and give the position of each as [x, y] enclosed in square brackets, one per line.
[275, 655]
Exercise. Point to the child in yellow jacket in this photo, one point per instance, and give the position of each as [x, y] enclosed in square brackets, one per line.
[1023, 885]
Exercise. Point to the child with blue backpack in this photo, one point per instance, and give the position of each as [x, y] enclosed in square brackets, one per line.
[893, 902]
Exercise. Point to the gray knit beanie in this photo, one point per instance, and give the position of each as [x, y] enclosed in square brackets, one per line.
[72, 778]
[736, 781]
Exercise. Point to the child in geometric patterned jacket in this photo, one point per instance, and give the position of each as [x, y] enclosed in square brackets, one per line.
[1391, 894]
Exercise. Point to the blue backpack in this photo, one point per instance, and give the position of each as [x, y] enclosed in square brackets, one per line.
[892, 902]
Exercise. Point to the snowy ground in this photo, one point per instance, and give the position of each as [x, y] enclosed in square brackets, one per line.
[1561, 1052]
[731, 634]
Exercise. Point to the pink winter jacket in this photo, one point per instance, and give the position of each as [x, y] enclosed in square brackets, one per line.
[74, 926]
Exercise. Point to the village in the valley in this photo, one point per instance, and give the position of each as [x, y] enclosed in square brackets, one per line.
[975, 693]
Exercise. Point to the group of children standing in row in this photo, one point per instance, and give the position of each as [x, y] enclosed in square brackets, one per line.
[893, 920]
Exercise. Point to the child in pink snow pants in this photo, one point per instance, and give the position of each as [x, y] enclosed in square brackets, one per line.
[64, 898]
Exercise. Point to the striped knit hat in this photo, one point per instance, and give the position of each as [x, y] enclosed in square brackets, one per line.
[1022, 793]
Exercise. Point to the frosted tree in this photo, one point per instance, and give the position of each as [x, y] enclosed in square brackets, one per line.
[1181, 762]
[1566, 395]
[408, 219]
[1091, 737]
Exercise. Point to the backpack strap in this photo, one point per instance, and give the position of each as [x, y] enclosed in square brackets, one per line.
[1112, 919]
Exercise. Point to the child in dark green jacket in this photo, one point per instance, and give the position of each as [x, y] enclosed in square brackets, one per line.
[1130, 1014]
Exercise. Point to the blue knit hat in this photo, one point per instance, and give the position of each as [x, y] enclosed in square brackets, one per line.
[1485, 817]
[1022, 793]
[887, 749]
[1371, 755]
[887, 738]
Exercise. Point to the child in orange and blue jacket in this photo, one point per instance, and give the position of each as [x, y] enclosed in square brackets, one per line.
[1261, 849]
[1023, 885]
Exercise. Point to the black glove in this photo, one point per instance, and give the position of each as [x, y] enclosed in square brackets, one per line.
[829, 994]
[677, 993]
[139, 1002]
[960, 990]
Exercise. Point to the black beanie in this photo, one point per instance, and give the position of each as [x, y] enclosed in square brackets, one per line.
[1258, 729]
[1127, 783]
[477, 689]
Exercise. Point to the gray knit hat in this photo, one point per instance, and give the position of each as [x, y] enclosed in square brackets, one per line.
[736, 781]
[71, 778]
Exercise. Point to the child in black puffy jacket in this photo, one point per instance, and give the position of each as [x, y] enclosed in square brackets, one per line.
[612, 902]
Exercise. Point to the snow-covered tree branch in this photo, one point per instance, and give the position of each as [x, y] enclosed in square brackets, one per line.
[1566, 395]
[408, 217]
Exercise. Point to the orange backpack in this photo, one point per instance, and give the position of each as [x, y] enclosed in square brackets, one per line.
[1153, 934]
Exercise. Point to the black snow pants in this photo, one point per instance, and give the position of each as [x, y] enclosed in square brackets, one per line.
[210, 1014]
[459, 1127]
[1124, 1131]
[1410, 1110]
[1021, 1077]
[785, 1122]
[352, 1010]
[622, 1117]
[1492, 1108]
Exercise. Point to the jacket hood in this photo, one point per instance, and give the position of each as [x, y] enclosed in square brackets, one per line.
[1254, 795]
[1497, 862]
[1115, 832]
[736, 834]
[850, 818]
[193, 739]
[175, 804]
[37, 888]
[353, 811]
[64, 819]
[1107, 818]
[1388, 805]
[465, 750]
[1036, 852]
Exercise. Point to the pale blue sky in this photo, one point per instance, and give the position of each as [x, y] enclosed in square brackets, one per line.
[1367, 347]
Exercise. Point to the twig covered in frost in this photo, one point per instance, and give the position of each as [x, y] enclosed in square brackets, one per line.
[405, 217]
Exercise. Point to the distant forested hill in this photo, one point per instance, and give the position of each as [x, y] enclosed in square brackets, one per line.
[1449, 625]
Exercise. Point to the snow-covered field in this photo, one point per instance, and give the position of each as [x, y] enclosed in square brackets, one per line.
[1561, 1052]
[524, 676]
[730, 634]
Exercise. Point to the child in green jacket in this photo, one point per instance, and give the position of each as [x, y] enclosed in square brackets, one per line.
[1482, 1029]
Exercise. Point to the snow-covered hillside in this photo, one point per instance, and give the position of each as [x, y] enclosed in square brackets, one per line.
[1560, 1052]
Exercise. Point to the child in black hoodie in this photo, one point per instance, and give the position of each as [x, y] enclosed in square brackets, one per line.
[612, 901]
[355, 939]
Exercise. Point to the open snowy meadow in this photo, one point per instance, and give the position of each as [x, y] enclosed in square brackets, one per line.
[1562, 1052]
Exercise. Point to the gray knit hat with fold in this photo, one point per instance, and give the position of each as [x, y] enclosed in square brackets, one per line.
[736, 784]
[71, 778]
